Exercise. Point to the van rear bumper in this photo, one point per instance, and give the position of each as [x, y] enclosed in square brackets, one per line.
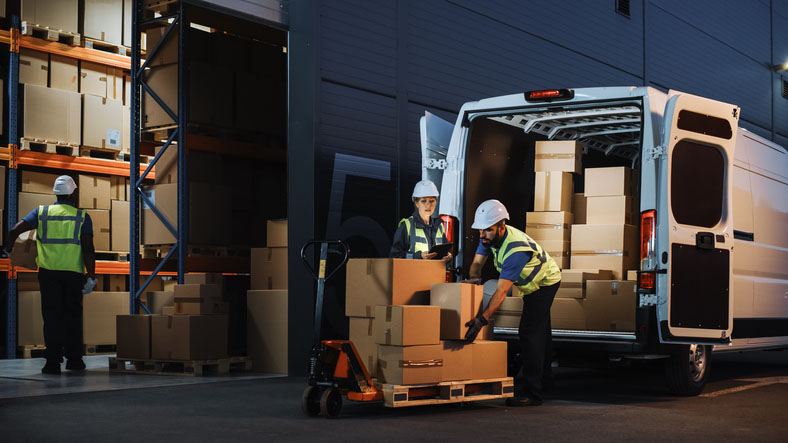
[585, 342]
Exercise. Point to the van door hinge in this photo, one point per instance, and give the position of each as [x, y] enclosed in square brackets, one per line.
[656, 152]
[647, 300]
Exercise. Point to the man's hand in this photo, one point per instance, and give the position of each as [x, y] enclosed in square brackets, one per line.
[474, 327]
[429, 255]
[447, 258]
[473, 281]
[90, 285]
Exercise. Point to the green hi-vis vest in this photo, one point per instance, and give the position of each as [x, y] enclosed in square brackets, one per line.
[418, 238]
[540, 271]
[58, 238]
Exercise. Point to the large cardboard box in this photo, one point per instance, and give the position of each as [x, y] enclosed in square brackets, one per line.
[573, 281]
[612, 247]
[269, 268]
[117, 188]
[134, 336]
[542, 226]
[56, 14]
[458, 305]
[610, 305]
[103, 20]
[407, 325]
[509, 313]
[203, 167]
[579, 204]
[199, 299]
[204, 203]
[189, 337]
[120, 218]
[164, 80]
[99, 80]
[410, 365]
[361, 333]
[489, 359]
[101, 228]
[52, 115]
[553, 191]
[558, 250]
[99, 310]
[610, 210]
[102, 122]
[568, 313]
[30, 323]
[125, 129]
[27, 281]
[276, 233]
[2, 192]
[127, 23]
[114, 283]
[168, 53]
[29, 201]
[457, 360]
[25, 251]
[385, 281]
[64, 73]
[157, 300]
[554, 155]
[94, 192]
[33, 67]
[38, 182]
[601, 182]
[266, 330]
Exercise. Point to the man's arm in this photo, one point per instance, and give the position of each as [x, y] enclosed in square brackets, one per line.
[15, 232]
[89, 255]
[476, 266]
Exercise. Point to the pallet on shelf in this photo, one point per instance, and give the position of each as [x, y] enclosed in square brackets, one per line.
[48, 146]
[160, 251]
[221, 366]
[51, 34]
[397, 396]
[100, 45]
[100, 349]
[112, 256]
[102, 153]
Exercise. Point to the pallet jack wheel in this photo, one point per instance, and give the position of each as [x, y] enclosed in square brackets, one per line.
[310, 401]
[331, 403]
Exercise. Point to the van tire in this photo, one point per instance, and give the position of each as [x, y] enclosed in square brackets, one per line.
[687, 369]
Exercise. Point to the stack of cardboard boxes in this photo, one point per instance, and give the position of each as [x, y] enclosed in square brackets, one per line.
[108, 21]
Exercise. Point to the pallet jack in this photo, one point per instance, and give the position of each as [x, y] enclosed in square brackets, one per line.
[335, 368]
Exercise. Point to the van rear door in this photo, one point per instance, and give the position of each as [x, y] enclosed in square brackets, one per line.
[435, 138]
[699, 140]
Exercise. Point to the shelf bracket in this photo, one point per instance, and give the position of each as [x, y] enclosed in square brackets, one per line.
[14, 36]
[13, 162]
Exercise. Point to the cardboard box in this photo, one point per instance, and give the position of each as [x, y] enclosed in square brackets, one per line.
[385, 281]
[164, 80]
[64, 73]
[30, 323]
[410, 365]
[573, 281]
[33, 67]
[117, 188]
[120, 218]
[458, 305]
[56, 14]
[101, 228]
[509, 313]
[601, 182]
[116, 282]
[189, 337]
[553, 191]
[168, 53]
[363, 337]
[613, 247]
[103, 20]
[168, 310]
[632, 275]
[201, 306]
[204, 203]
[29, 201]
[134, 336]
[2, 192]
[94, 192]
[277, 233]
[97, 79]
[489, 359]
[197, 292]
[38, 182]
[568, 313]
[269, 268]
[554, 155]
[102, 122]
[558, 250]
[127, 23]
[542, 226]
[610, 210]
[25, 251]
[579, 204]
[610, 305]
[407, 325]
[457, 360]
[99, 310]
[266, 330]
[27, 281]
[157, 284]
[158, 300]
[125, 129]
[52, 115]
[204, 278]
[203, 167]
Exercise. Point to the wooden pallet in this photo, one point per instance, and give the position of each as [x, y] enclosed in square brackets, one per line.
[100, 45]
[222, 366]
[398, 396]
[104, 153]
[51, 34]
[32, 351]
[112, 256]
[100, 349]
[160, 251]
[126, 157]
[50, 147]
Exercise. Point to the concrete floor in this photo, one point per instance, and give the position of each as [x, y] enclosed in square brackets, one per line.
[746, 400]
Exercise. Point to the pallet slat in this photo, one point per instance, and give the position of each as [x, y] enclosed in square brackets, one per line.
[397, 396]
[222, 366]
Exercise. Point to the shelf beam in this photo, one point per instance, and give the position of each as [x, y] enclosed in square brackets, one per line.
[77, 52]
[77, 164]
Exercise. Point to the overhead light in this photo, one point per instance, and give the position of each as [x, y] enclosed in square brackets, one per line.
[778, 68]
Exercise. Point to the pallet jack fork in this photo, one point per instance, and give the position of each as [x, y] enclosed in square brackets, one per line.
[335, 367]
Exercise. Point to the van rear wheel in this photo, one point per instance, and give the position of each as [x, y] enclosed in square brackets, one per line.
[687, 369]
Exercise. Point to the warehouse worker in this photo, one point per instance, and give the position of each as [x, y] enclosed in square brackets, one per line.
[64, 240]
[417, 234]
[523, 263]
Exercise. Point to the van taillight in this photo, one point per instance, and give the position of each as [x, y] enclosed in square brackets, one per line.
[449, 224]
[647, 281]
[648, 255]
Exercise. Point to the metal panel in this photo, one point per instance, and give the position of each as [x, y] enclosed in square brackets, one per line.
[276, 11]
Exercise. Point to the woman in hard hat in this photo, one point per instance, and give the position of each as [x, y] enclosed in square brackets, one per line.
[417, 234]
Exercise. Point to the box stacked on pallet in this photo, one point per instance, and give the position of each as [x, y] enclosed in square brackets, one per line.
[58, 18]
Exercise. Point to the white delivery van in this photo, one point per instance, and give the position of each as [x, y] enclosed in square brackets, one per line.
[713, 223]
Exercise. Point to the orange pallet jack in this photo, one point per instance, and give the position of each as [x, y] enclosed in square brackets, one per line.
[335, 368]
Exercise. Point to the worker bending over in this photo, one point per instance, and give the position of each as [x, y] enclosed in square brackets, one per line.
[417, 234]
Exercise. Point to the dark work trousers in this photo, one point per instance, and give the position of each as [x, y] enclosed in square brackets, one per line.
[61, 307]
[536, 340]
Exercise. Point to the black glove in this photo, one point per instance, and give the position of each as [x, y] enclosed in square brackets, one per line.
[473, 281]
[474, 327]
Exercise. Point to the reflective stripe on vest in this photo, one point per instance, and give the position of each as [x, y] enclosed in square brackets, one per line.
[540, 271]
[418, 238]
[58, 238]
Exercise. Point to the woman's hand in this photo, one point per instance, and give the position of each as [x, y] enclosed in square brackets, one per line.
[429, 255]
[448, 258]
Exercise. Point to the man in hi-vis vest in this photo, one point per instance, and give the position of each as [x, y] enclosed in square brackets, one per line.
[64, 240]
[523, 263]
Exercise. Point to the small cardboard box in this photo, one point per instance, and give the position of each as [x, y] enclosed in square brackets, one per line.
[269, 268]
[386, 281]
[579, 203]
[30, 323]
[158, 300]
[189, 337]
[277, 233]
[38, 182]
[632, 275]
[103, 20]
[457, 360]
[134, 336]
[52, 115]
[612, 247]
[458, 305]
[99, 310]
[193, 292]
[120, 226]
[204, 278]
[573, 281]
[568, 313]
[64, 73]
[29, 201]
[553, 155]
[489, 359]
[542, 226]
[266, 330]
[610, 210]
[558, 250]
[610, 305]
[168, 310]
[407, 325]
[363, 337]
[102, 122]
[509, 313]
[25, 251]
[94, 192]
[33, 67]
[410, 365]
[553, 191]
[601, 182]
[101, 228]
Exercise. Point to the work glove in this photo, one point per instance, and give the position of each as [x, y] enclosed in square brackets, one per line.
[474, 327]
[90, 285]
[473, 281]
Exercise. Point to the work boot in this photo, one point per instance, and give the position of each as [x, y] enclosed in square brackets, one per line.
[51, 368]
[515, 402]
[76, 365]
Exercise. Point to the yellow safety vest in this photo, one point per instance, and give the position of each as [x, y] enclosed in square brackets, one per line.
[418, 238]
[58, 238]
[540, 271]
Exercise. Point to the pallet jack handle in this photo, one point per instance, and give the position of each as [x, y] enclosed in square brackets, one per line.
[326, 247]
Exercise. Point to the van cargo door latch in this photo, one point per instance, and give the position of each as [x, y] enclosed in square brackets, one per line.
[656, 152]
[704, 240]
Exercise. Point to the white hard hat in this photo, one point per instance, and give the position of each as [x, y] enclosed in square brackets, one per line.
[489, 213]
[64, 185]
[425, 188]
